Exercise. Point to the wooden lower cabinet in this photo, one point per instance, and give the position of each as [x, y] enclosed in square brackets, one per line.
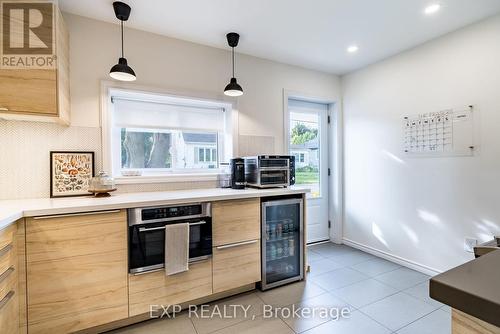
[154, 289]
[235, 221]
[236, 265]
[21, 276]
[76, 271]
[73, 273]
[9, 314]
[463, 323]
[9, 293]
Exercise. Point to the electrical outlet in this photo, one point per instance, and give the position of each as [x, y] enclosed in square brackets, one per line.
[469, 244]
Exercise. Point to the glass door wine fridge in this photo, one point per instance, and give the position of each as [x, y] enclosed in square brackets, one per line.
[282, 242]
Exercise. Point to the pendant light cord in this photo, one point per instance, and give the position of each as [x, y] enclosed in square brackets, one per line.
[233, 59]
[121, 23]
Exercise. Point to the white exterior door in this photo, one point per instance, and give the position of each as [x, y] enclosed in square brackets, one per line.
[308, 142]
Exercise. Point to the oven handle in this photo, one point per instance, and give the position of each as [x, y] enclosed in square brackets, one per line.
[144, 229]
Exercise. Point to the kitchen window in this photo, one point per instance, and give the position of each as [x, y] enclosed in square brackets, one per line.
[158, 137]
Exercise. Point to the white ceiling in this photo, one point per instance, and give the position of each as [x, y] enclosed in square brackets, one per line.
[308, 33]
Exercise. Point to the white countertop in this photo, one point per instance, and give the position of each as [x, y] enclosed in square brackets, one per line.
[12, 210]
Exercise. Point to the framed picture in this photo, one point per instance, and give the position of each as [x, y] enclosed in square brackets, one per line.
[70, 173]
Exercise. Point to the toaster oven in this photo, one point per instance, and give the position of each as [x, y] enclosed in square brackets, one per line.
[269, 171]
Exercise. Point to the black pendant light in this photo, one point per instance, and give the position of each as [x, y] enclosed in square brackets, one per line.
[233, 89]
[122, 71]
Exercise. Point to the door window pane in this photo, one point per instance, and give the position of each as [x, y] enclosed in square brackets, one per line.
[305, 146]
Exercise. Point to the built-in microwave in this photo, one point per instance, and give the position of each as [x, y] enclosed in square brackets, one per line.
[146, 234]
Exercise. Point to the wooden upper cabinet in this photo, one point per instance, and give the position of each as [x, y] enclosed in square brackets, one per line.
[39, 94]
[76, 271]
[29, 92]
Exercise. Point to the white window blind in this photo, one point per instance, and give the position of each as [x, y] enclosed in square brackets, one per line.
[145, 114]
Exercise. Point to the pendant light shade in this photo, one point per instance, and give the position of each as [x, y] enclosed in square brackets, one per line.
[122, 71]
[233, 88]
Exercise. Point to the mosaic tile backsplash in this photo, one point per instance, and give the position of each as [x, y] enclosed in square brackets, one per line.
[25, 165]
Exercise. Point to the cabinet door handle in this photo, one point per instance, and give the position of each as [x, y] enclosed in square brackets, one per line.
[5, 250]
[6, 274]
[237, 244]
[77, 214]
[6, 299]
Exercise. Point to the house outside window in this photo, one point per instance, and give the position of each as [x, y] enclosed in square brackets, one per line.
[161, 136]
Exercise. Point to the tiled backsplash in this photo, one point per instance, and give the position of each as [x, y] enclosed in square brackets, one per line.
[254, 145]
[130, 188]
[25, 165]
[24, 154]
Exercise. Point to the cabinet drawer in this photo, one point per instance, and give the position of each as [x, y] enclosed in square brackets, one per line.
[7, 236]
[70, 236]
[9, 313]
[28, 91]
[236, 265]
[7, 257]
[235, 221]
[8, 281]
[159, 289]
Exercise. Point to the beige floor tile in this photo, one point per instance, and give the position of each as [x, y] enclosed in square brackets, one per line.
[259, 325]
[178, 325]
[291, 293]
[206, 325]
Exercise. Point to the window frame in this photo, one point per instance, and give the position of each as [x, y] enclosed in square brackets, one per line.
[228, 138]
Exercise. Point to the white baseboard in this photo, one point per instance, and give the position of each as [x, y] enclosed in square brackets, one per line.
[393, 258]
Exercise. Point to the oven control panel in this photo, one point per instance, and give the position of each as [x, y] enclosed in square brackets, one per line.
[171, 212]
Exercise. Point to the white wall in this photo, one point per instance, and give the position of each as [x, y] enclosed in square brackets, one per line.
[179, 65]
[161, 63]
[421, 209]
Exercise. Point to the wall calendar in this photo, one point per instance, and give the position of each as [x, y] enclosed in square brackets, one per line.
[443, 133]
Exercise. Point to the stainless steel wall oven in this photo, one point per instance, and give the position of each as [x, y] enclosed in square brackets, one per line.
[146, 234]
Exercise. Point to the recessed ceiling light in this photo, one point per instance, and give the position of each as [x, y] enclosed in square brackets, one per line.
[431, 9]
[352, 49]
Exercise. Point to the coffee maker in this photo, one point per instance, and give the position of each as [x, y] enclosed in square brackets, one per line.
[238, 173]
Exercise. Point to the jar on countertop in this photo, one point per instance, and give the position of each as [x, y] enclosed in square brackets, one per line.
[102, 182]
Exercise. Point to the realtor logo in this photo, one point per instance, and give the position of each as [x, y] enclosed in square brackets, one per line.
[27, 35]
